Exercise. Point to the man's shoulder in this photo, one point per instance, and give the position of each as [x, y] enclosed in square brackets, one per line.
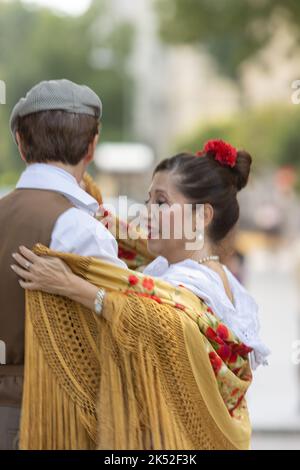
[75, 214]
[7, 196]
[38, 196]
[80, 220]
[14, 195]
[76, 231]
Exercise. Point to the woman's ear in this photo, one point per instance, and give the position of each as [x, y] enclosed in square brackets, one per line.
[208, 214]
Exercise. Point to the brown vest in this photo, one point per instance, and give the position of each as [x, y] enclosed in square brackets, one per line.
[27, 216]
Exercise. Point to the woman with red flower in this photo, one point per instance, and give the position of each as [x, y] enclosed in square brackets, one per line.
[209, 179]
[207, 182]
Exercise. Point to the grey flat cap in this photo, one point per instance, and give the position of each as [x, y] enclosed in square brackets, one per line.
[57, 94]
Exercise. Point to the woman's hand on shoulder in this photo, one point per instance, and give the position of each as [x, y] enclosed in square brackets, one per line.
[42, 272]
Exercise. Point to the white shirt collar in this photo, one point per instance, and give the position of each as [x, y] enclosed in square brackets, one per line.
[51, 178]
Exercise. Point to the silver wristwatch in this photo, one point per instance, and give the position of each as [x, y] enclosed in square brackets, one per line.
[98, 304]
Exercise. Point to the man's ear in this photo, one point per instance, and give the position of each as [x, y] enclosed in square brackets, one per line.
[18, 139]
[91, 150]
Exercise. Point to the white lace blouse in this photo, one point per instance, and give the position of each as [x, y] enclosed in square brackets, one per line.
[241, 315]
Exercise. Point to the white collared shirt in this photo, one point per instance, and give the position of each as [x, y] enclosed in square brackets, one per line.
[241, 316]
[76, 230]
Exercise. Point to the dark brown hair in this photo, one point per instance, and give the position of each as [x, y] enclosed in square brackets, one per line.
[204, 180]
[56, 136]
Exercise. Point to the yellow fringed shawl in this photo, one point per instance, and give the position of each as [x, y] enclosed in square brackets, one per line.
[139, 379]
[147, 375]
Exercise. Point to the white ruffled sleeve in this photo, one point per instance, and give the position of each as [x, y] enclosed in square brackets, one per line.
[241, 317]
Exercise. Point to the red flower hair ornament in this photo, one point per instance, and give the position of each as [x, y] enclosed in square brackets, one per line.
[223, 152]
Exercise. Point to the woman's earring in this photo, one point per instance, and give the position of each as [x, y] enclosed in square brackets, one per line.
[200, 240]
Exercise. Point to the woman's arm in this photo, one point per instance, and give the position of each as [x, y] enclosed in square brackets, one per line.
[82, 291]
[53, 276]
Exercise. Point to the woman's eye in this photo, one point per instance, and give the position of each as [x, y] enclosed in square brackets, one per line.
[160, 203]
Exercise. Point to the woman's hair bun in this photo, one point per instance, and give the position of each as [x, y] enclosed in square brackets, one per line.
[241, 169]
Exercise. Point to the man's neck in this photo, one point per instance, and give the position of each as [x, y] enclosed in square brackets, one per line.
[75, 171]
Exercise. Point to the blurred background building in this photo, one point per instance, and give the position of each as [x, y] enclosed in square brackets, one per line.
[171, 74]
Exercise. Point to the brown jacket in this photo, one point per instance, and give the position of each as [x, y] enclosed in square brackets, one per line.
[27, 216]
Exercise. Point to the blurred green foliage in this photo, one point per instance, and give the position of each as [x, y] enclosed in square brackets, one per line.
[37, 44]
[233, 31]
[230, 30]
[271, 135]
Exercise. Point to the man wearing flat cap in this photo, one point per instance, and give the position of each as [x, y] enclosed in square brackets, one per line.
[56, 128]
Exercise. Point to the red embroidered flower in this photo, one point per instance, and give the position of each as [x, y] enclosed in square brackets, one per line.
[143, 294]
[148, 283]
[146, 295]
[223, 152]
[211, 334]
[214, 336]
[181, 307]
[242, 349]
[125, 254]
[233, 358]
[222, 331]
[157, 299]
[133, 280]
[216, 362]
[224, 352]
